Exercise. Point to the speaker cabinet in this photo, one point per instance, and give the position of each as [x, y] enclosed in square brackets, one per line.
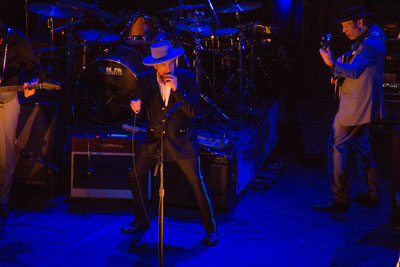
[35, 138]
[100, 166]
[103, 173]
[395, 208]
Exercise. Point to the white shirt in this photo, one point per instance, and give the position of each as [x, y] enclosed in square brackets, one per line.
[165, 89]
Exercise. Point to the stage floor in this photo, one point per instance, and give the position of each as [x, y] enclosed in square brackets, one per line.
[273, 227]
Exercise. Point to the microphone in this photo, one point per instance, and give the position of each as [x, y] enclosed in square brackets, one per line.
[211, 103]
[177, 105]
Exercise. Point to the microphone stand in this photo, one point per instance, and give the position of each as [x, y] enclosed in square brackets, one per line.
[214, 25]
[218, 112]
[161, 191]
[29, 155]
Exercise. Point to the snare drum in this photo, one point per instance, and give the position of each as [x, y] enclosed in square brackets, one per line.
[226, 39]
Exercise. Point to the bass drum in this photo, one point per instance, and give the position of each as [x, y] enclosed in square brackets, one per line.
[105, 85]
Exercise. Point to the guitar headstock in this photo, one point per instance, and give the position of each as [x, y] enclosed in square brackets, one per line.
[133, 129]
[51, 85]
[326, 41]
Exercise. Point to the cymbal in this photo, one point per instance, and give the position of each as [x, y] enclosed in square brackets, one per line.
[238, 7]
[88, 9]
[54, 11]
[180, 7]
[203, 28]
[195, 25]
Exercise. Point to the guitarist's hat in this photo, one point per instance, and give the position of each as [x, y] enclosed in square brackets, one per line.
[353, 13]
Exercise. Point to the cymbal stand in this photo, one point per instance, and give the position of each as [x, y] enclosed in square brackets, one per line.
[177, 38]
[50, 26]
[214, 25]
[243, 79]
[196, 58]
[70, 50]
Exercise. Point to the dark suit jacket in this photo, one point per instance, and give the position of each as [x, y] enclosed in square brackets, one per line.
[180, 135]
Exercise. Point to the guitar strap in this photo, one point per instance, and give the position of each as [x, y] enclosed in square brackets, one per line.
[5, 55]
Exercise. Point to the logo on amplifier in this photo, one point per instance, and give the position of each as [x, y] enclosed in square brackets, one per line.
[110, 71]
[111, 146]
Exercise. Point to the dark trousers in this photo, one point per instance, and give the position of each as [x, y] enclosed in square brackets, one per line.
[190, 167]
[340, 139]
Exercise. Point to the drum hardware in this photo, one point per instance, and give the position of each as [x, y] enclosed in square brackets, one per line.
[129, 24]
[214, 25]
[217, 114]
[66, 25]
[264, 72]
[178, 41]
[243, 81]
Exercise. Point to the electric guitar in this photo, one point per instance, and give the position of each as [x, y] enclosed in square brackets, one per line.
[335, 80]
[133, 129]
[17, 88]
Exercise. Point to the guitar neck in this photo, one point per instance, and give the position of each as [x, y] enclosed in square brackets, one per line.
[18, 88]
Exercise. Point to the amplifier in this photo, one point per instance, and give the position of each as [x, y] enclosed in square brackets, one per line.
[218, 173]
[100, 166]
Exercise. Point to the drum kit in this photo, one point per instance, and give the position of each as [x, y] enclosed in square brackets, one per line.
[112, 52]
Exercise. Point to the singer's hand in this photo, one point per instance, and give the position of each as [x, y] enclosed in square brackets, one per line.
[136, 105]
[171, 80]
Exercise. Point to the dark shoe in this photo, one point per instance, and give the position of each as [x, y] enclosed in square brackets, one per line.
[211, 239]
[134, 227]
[366, 198]
[3, 210]
[331, 205]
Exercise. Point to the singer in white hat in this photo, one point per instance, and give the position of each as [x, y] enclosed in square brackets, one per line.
[168, 96]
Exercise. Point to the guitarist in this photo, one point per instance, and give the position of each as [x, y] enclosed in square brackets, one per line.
[16, 56]
[361, 102]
